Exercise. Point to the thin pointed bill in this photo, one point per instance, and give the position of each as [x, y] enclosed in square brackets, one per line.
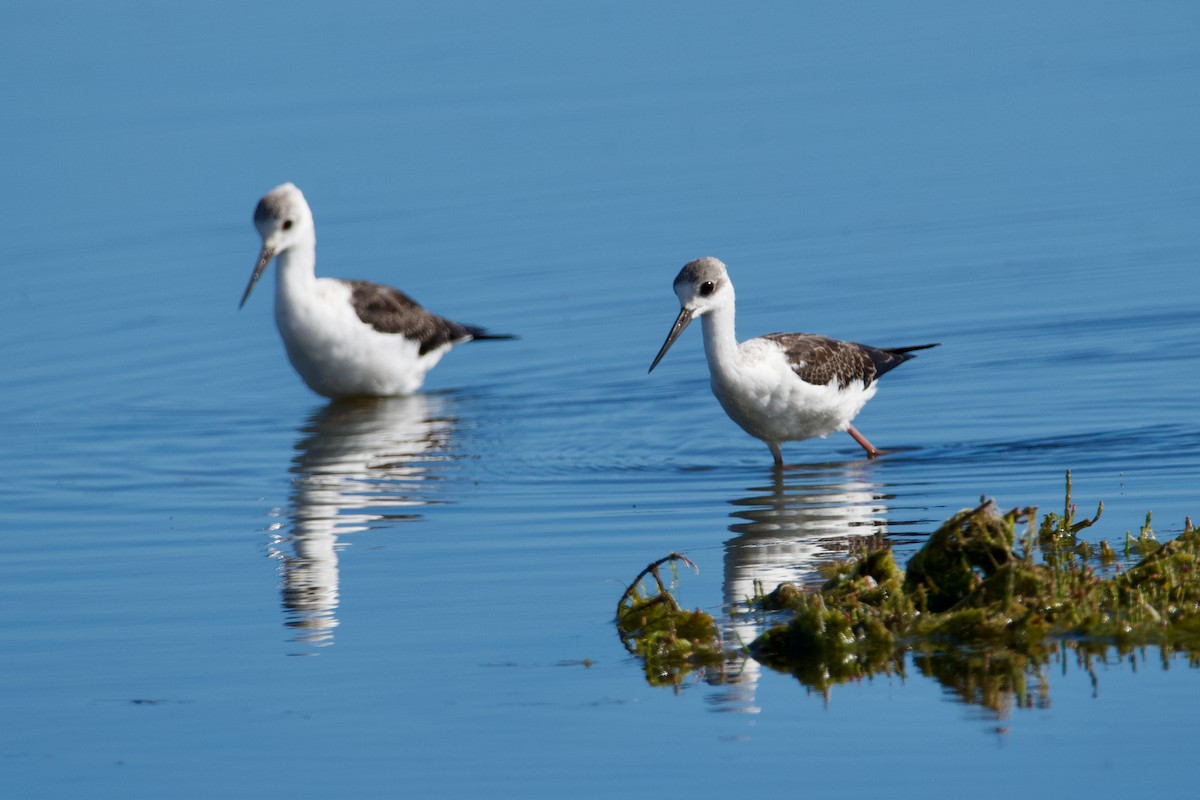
[264, 258]
[682, 321]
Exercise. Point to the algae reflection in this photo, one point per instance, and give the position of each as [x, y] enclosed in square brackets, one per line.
[983, 608]
[359, 464]
[783, 531]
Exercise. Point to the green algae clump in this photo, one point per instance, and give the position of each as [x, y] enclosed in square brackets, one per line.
[845, 631]
[670, 641]
[967, 549]
[984, 611]
[985, 604]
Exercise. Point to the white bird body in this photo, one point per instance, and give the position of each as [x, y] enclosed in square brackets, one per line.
[760, 392]
[345, 338]
[335, 352]
[782, 386]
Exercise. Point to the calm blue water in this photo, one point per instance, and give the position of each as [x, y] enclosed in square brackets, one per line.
[216, 582]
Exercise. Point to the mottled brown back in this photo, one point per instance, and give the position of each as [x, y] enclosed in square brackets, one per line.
[820, 359]
[389, 310]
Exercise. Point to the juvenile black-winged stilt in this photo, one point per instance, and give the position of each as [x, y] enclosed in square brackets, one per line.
[781, 387]
[345, 338]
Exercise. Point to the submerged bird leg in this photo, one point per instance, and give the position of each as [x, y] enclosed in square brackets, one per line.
[858, 437]
[775, 451]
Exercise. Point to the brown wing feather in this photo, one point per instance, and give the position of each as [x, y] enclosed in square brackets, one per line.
[820, 359]
[389, 310]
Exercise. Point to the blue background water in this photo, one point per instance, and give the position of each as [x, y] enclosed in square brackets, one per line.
[180, 516]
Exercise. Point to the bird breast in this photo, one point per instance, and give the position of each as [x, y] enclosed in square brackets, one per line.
[763, 395]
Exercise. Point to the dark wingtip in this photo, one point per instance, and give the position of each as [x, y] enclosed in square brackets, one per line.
[886, 359]
[478, 334]
[914, 347]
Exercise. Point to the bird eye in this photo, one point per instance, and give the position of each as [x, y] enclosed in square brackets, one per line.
[287, 223]
[707, 288]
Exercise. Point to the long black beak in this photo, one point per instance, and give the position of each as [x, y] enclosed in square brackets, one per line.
[682, 321]
[264, 258]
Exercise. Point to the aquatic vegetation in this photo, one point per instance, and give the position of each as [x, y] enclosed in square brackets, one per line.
[982, 607]
[844, 631]
[670, 641]
[980, 612]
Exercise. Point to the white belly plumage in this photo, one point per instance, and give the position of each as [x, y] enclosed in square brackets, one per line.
[770, 402]
[339, 355]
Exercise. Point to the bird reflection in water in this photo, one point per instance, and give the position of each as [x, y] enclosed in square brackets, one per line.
[359, 464]
[785, 531]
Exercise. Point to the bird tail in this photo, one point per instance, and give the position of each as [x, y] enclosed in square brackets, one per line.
[479, 334]
[902, 350]
[886, 359]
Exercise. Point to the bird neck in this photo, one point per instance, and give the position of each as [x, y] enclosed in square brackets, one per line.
[720, 339]
[297, 269]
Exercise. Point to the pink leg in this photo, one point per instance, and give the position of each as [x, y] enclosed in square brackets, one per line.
[858, 437]
[777, 454]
